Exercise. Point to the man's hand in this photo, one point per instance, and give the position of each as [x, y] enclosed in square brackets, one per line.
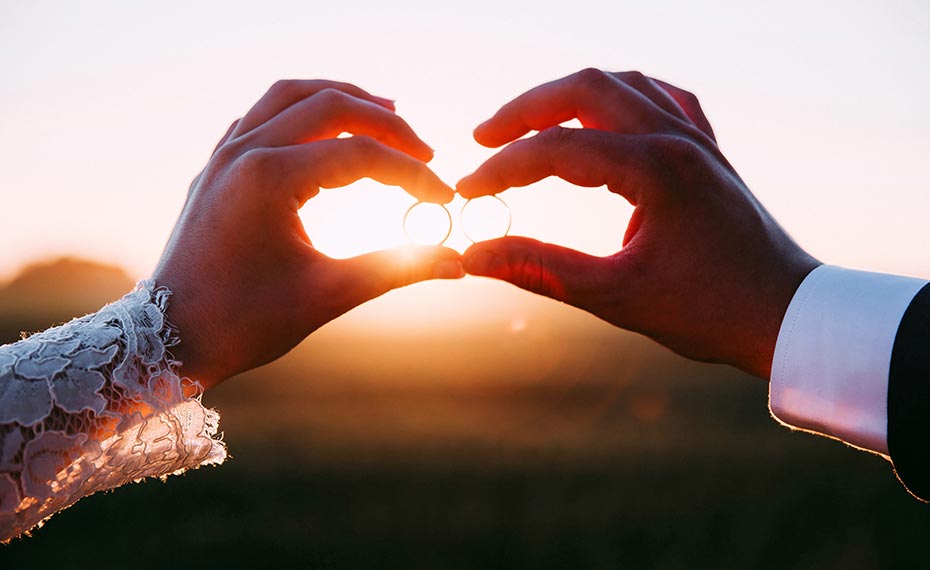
[704, 269]
[248, 284]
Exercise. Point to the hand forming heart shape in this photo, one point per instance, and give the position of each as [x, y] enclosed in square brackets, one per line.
[249, 284]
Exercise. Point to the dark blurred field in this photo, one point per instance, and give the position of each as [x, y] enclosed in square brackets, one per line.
[560, 444]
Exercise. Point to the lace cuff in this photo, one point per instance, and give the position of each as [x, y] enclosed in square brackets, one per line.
[93, 404]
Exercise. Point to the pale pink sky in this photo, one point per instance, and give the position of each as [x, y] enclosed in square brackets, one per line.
[108, 109]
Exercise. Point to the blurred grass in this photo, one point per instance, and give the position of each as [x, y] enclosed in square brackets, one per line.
[569, 446]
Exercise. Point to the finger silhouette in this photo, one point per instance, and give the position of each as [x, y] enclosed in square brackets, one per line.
[554, 271]
[585, 157]
[372, 274]
[597, 99]
[653, 91]
[330, 112]
[332, 163]
[285, 93]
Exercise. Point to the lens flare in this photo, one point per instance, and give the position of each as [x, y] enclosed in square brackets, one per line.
[484, 218]
[426, 223]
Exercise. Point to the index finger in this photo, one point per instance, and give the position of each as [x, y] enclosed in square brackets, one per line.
[597, 99]
[333, 163]
[331, 112]
[285, 93]
[584, 157]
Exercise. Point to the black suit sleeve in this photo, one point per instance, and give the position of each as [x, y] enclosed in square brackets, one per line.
[909, 398]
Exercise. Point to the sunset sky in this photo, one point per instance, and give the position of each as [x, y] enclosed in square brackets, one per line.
[108, 110]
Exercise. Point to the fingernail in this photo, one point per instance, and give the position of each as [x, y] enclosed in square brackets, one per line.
[448, 269]
[481, 262]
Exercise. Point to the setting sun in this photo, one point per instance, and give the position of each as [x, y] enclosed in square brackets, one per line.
[363, 217]
[368, 216]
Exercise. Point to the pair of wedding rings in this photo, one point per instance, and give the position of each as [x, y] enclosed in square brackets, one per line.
[482, 218]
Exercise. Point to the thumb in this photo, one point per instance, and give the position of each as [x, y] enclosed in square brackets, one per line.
[558, 272]
[373, 274]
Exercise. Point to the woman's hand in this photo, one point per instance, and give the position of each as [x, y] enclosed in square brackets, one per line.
[704, 269]
[248, 284]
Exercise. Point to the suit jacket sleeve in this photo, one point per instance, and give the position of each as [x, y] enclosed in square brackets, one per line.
[909, 397]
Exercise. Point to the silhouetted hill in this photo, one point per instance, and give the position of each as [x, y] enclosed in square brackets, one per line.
[53, 291]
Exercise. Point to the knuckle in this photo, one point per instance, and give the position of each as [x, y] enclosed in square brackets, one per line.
[345, 88]
[258, 162]
[365, 145]
[555, 136]
[194, 183]
[365, 142]
[591, 76]
[281, 88]
[690, 97]
[595, 81]
[673, 147]
[634, 78]
[680, 160]
[529, 272]
[227, 152]
[333, 100]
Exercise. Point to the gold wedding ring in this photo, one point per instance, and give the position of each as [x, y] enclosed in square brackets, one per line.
[421, 225]
[484, 218]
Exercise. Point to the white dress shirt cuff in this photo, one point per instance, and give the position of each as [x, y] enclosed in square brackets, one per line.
[832, 356]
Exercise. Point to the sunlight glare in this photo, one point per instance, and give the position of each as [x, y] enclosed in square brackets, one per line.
[360, 218]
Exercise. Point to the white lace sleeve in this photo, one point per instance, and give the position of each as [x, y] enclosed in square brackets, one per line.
[93, 404]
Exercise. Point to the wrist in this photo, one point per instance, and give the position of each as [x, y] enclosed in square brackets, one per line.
[194, 349]
[778, 293]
